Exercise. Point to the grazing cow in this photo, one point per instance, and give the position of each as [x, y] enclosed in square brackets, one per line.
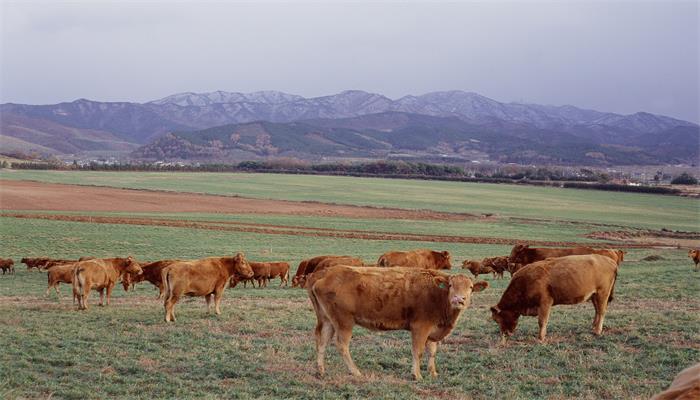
[685, 386]
[7, 265]
[151, 272]
[477, 268]
[100, 274]
[695, 256]
[261, 273]
[497, 264]
[280, 270]
[422, 258]
[62, 273]
[537, 287]
[307, 267]
[36, 262]
[425, 302]
[524, 255]
[206, 277]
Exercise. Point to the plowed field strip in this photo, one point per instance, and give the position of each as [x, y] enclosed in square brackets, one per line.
[306, 231]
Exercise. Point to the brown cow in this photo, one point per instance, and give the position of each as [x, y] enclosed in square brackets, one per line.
[100, 274]
[421, 258]
[565, 280]
[264, 271]
[151, 272]
[307, 267]
[7, 265]
[498, 264]
[60, 273]
[206, 277]
[695, 256]
[523, 255]
[330, 262]
[425, 302]
[477, 268]
[36, 262]
[685, 386]
[261, 273]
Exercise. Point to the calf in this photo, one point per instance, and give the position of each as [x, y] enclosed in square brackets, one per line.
[477, 268]
[537, 287]
[7, 265]
[425, 302]
[498, 264]
[206, 277]
[151, 272]
[100, 274]
[36, 262]
[60, 274]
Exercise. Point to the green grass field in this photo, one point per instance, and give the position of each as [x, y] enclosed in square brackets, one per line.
[262, 345]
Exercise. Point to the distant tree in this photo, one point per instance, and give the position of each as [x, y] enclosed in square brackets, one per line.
[684, 179]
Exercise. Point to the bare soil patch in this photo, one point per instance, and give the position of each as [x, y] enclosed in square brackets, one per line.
[39, 196]
[231, 226]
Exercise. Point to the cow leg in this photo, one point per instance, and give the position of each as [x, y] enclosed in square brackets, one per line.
[109, 292]
[218, 295]
[543, 318]
[432, 349]
[324, 334]
[84, 297]
[601, 305]
[420, 339]
[102, 296]
[48, 289]
[58, 294]
[342, 338]
[169, 305]
[161, 291]
[208, 299]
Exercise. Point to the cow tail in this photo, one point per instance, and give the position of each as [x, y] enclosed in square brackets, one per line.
[79, 279]
[612, 289]
[165, 277]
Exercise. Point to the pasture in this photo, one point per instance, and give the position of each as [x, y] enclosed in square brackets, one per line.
[262, 345]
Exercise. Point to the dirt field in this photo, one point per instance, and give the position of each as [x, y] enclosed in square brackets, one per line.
[24, 195]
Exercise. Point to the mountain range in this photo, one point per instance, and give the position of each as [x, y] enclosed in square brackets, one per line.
[454, 125]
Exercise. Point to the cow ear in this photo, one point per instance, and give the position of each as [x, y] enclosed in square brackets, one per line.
[446, 253]
[479, 286]
[442, 282]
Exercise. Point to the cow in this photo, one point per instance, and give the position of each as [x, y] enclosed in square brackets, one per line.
[695, 256]
[261, 273]
[537, 287]
[7, 265]
[36, 262]
[280, 270]
[477, 268]
[498, 264]
[151, 272]
[307, 267]
[329, 262]
[206, 277]
[52, 262]
[425, 302]
[685, 386]
[523, 255]
[100, 274]
[62, 273]
[421, 258]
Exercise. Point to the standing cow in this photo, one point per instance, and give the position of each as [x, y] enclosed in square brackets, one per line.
[7, 265]
[100, 274]
[206, 277]
[422, 258]
[427, 303]
[151, 272]
[537, 287]
[522, 254]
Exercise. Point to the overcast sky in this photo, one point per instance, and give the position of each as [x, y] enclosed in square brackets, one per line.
[620, 56]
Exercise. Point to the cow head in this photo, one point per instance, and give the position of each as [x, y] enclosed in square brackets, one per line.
[127, 281]
[444, 260]
[620, 256]
[473, 266]
[459, 289]
[516, 254]
[132, 267]
[507, 320]
[694, 254]
[241, 266]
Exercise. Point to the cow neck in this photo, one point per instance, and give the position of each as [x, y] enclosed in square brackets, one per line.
[229, 264]
[448, 315]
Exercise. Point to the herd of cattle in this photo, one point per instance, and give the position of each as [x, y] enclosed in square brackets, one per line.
[404, 290]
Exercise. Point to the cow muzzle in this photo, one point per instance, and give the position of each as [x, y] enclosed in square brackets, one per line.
[458, 301]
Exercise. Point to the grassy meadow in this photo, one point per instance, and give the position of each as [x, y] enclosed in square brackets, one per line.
[262, 345]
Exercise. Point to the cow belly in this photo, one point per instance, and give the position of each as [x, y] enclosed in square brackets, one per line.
[382, 324]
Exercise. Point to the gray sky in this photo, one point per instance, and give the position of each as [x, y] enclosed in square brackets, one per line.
[620, 56]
